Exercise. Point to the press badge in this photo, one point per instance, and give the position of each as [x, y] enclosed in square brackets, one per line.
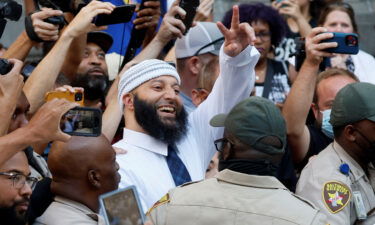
[359, 206]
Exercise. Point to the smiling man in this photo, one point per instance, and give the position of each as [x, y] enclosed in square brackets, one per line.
[166, 147]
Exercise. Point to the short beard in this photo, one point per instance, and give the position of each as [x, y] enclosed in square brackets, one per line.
[9, 216]
[147, 117]
[95, 86]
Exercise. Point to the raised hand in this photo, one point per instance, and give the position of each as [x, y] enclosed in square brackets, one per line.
[238, 37]
[82, 22]
[46, 31]
[315, 49]
[171, 27]
[149, 16]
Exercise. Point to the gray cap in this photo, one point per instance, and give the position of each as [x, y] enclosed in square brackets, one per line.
[203, 38]
[353, 103]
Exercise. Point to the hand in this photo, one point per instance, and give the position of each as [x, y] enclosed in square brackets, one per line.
[149, 16]
[204, 11]
[11, 84]
[289, 8]
[238, 37]
[314, 49]
[69, 88]
[45, 124]
[46, 31]
[171, 27]
[82, 22]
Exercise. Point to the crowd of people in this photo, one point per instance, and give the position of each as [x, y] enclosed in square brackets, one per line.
[212, 124]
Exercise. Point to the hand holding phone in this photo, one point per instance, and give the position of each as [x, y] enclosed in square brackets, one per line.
[190, 7]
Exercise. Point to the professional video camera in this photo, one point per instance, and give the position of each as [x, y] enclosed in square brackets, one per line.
[11, 10]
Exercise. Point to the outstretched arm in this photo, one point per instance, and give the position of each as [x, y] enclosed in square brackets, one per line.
[298, 102]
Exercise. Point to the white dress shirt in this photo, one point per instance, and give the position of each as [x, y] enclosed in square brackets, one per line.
[145, 164]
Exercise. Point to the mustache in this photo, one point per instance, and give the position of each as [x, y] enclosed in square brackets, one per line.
[96, 68]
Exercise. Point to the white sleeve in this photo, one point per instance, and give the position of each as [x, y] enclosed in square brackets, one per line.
[234, 84]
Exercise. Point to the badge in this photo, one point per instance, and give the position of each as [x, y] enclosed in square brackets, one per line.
[165, 199]
[336, 196]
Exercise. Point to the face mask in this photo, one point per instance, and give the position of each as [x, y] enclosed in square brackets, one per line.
[254, 167]
[326, 125]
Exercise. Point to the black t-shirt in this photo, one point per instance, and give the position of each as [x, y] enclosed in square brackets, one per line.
[286, 173]
[318, 142]
[287, 46]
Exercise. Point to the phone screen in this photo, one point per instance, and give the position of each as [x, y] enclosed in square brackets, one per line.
[82, 121]
[122, 207]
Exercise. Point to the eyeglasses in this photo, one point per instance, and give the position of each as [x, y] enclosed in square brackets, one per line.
[217, 43]
[220, 144]
[264, 36]
[19, 180]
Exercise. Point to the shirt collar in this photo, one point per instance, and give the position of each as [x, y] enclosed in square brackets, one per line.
[145, 141]
[74, 204]
[233, 177]
[355, 168]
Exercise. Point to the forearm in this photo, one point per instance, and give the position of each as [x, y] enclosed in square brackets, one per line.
[16, 141]
[298, 102]
[74, 57]
[303, 26]
[112, 114]
[44, 76]
[20, 48]
[152, 50]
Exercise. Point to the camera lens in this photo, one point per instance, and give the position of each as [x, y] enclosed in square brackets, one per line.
[78, 96]
[351, 40]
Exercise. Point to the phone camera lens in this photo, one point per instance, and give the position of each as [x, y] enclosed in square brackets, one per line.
[78, 96]
[351, 40]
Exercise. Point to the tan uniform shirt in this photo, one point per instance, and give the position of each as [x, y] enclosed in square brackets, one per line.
[234, 198]
[63, 211]
[322, 183]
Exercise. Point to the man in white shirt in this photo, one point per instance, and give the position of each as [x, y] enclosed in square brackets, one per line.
[165, 146]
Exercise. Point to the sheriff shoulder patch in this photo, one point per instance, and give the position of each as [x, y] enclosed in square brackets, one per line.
[165, 199]
[336, 196]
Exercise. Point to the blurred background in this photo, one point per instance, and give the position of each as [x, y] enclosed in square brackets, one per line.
[364, 9]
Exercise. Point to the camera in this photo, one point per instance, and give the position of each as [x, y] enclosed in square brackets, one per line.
[5, 66]
[10, 10]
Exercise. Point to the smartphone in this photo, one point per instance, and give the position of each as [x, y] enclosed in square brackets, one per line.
[347, 43]
[77, 97]
[122, 207]
[82, 121]
[120, 14]
[190, 7]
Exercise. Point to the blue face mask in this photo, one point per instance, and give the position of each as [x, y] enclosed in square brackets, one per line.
[326, 125]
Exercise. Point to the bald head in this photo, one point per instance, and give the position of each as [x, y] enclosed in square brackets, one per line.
[71, 162]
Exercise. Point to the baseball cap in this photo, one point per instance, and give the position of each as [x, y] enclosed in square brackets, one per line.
[353, 103]
[203, 38]
[103, 39]
[257, 122]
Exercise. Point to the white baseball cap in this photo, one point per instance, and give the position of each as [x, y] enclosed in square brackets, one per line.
[203, 38]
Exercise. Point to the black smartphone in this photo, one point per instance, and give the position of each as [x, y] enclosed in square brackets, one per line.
[120, 14]
[347, 43]
[82, 121]
[190, 7]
